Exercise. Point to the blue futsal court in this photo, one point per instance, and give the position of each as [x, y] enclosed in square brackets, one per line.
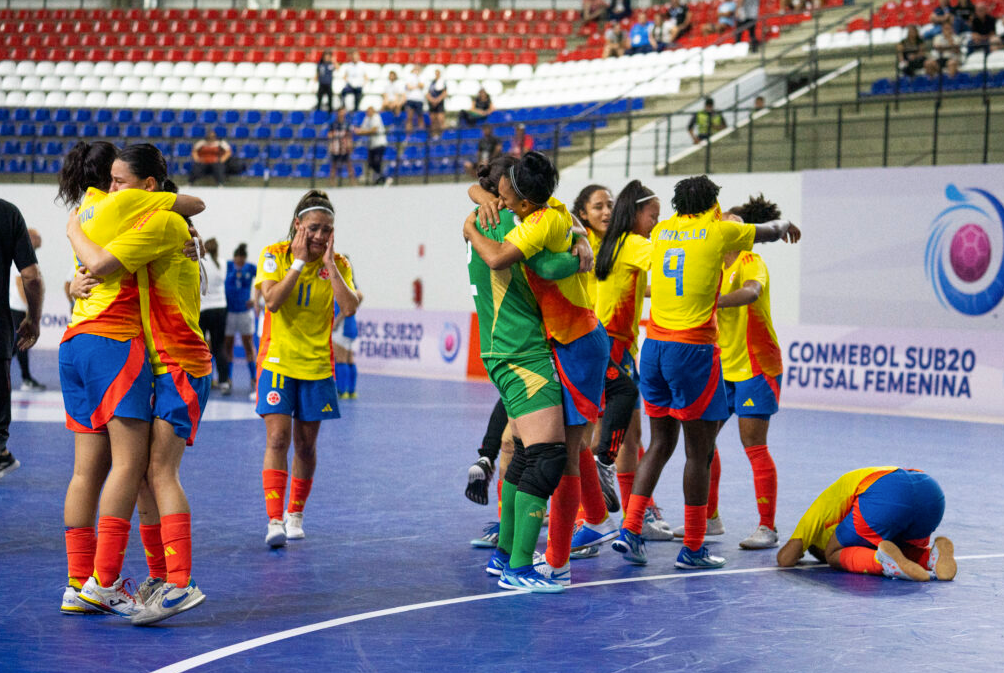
[386, 579]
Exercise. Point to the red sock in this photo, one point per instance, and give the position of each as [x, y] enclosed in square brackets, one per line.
[626, 482]
[764, 483]
[695, 525]
[593, 506]
[176, 530]
[919, 555]
[113, 538]
[153, 548]
[80, 546]
[564, 506]
[634, 516]
[860, 560]
[298, 491]
[716, 474]
[274, 483]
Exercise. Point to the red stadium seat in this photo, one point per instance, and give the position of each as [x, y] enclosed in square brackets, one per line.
[325, 41]
[255, 55]
[366, 15]
[307, 40]
[422, 58]
[387, 41]
[286, 40]
[225, 40]
[409, 42]
[556, 43]
[216, 55]
[60, 55]
[536, 43]
[379, 56]
[563, 29]
[185, 41]
[91, 40]
[400, 57]
[193, 55]
[437, 27]
[451, 42]
[569, 16]
[484, 58]
[529, 57]
[514, 43]
[345, 41]
[264, 41]
[245, 40]
[366, 41]
[385, 15]
[456, 28]
[463, 57]
[92, 55]
[521, 28]
[417, 28]
[426, 15]
[494, 42]
[477, 28]
[429, 42]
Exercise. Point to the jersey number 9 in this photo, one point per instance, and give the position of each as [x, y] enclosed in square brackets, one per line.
[674, 269]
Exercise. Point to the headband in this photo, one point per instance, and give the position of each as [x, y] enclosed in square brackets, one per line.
[646, 198]
[512, 181]
[307, 210]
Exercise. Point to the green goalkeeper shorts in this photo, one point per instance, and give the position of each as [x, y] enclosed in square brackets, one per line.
[526, 386]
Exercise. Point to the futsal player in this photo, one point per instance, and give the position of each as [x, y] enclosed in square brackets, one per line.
[876, 521]
[168, 284]
[518, 359]
[580, 345]
[241, 309]
[344, 334]
[106, 382]
[300, 278]
[681, 377]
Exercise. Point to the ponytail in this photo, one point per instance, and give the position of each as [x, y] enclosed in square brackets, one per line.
[622, 223]
[315, 198]
[86, 165]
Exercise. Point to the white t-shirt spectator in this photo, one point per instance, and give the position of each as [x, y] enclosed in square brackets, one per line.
[354, 75]
[947, 47]
[394, 89]
[215, 296]
[416, 92]
[378, 139]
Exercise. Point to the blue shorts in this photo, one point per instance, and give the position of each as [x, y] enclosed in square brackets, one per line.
[756, 397]
[621, 358]
[904, 507]
[582, 367]
[102, 378]
[683, 381]
[180, 399]
[304, 400]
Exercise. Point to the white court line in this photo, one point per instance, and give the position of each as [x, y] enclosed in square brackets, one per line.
[236, 648]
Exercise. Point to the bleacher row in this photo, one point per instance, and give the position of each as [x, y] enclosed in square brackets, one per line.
[291, 144]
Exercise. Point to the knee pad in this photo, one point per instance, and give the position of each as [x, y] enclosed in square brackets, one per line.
[517, 466]
[545, 465]
[621, 394]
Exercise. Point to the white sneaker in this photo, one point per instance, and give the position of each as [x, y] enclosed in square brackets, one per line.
[226, 388]
[897, 566]
[73, 605]
[654, 527]
[169, 600]
[562, 575]
[294, 526]
[114, 600]
[715, 527]
[762, 538]
[149, 587]
[276, 535]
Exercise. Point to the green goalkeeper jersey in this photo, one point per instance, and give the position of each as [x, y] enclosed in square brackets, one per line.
[509, 322]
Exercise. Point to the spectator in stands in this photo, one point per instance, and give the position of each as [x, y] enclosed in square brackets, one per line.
[947, 49]
[354, 74]
[942, 14]
[679, 21]
[209, 157]
[521, 143]
[911, 52]
[749, 13]
[620, 9]
[726, 17]
[415, 100]
[489, 147]
[615, 40]
[706, 122]
[481, 107]
[436, 95]
[394, 95]
[660, 31]
[325, 76]
[642, 37]
[759, 103]
[984, 36]
[965, 10]
[340, 147]
[594, 10]
[376, 140]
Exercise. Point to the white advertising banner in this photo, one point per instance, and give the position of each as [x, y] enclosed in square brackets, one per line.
[934, 373]
[413, 342]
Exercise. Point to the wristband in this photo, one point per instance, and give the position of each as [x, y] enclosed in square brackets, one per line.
[298, 265]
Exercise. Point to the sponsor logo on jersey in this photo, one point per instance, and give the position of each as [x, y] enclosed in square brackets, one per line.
[327, 407]
[749, 402]
[323, 273]
[273, 398]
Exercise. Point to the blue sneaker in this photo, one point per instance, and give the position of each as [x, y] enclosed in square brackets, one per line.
[525, 578]
[589, 534]
[490, 539]
[698, 560]
[562, 575]
[497, 563]
[631, 546]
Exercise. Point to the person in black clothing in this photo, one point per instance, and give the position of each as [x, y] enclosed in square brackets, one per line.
[705, 123]
[679, 18]
[489, 147]
[480, 109]
[18, 314]
[911, 52]
[964, 12]
[16, 249]
[984, 35]
[325, 76]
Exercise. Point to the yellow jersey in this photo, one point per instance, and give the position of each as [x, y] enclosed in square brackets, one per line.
[169, 292]
[113, 309]
[816, 526]
[746, 333]
[595, 241]
[564, 304]
[296, 339]
[687, 252]
[621, 296]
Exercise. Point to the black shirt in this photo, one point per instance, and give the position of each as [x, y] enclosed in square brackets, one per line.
[985, 26]
[325, 72]
[679, 14]
[15, 247]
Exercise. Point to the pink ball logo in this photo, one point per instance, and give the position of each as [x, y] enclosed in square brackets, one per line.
[970, 253]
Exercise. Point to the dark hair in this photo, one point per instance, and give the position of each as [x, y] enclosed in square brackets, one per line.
[621, 224]
[536, 178]
[709, 101]
[583, 199]
[694, 195]
[489, 174]
[315, 197]
[241, 251]
[146, 161]
[757, 210]
[86, 165]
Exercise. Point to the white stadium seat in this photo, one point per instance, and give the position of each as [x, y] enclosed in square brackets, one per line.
[142, 69]
[137, 99]
[264, 70]
[158, 100]
[122, 69]
[25, 68]
[223, 69]
[178, 100]
[183, 69]
[221, 101]
[95, 99]
[199, 101]
[34, 99]
[14, 99]
[75, 99]
[50, 83]
[163, 69]
[7, 68]
[204, 69]
[103, 68]
[117, 99]
[150, 84]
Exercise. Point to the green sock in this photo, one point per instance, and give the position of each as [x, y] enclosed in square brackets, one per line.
[508, 516]
[530, 511]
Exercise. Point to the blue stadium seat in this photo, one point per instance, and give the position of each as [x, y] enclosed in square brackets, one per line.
[274, 151]
[241, 132]
[17, 165]
[123, 116]
[82, 116]
[41, 115]
[306, 133]
[47, 130]
[103, 116]
[133, 131]
[284, 133]
[6, 129]
[208, 117]
[188, 117]
[154, 131]
[263, 132]
[296, 118]
[110, 131]
[231, 117]
[165, 117]
[273, 117]
[220, 130]
[294, 151]
[175, 131]
[324, 170]
[4, 114]
[249, 151]
[165, 148]
[321, 152]
[304, 170]
[62, 115]
[282, 170]
[318, 117]
[145, 116]
[11, 147]
[997, 81]
[197, 131]
[183, 149]
[257, 169]
[359, 154]
[68, 130]
[89, 131]
[881, 87]
[22, 114]
[252, 117]
[26, 130]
